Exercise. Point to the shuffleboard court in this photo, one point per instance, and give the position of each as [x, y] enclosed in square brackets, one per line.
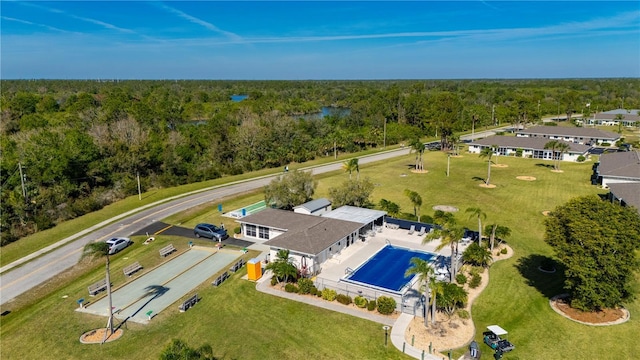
[164, 285]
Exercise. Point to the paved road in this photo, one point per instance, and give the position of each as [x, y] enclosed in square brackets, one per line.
[38, 268]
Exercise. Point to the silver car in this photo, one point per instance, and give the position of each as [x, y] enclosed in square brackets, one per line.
[117, 244]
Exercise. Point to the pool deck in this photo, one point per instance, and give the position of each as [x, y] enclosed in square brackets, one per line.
[352, 257]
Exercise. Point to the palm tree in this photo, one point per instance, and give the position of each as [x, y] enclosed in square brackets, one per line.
[497, 231]
[449, 234]
[350, 166]
[437, 288]
[488, 153]
[455, 143]
[553, 145]
[390, 207]
[100, 249]
[478, 213]
[425, 273]
[282, 267]
[562, 148]
[418, 147]
[477, 255]
[452, 297]
[416, 200]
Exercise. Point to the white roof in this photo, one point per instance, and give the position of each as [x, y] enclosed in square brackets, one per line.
[497, 330]
[355, 214]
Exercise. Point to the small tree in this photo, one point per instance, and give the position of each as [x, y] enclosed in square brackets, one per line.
[289, 190]
[355, 193]
[283, 267]
[477, 255]
[496, 231]
[100, 249]
[179, 350]
[487, 153]
[390, 207]
[418, 147]
[596, 241]
[352, 165]
[451, 298]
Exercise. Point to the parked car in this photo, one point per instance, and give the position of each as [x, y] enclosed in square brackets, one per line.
[210, 231]
[118, 243]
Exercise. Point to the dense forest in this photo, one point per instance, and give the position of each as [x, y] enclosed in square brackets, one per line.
[71, 147]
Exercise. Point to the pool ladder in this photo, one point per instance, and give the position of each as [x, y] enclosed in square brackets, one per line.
[348, 271]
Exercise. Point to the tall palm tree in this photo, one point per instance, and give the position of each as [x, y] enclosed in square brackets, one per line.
[477, 213]
[449, 234]
[552, 145]
[416, 200]
[350, 166]
[418, 147]
[425, 274]
[100, 249]
[562, 148]
[488, 153]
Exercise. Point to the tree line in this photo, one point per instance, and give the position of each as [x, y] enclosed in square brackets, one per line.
[71, 147]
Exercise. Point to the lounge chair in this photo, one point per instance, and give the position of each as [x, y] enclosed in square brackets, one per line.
[412, 229]
[422, 231]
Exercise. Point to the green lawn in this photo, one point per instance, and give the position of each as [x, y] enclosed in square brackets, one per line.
[239, 322]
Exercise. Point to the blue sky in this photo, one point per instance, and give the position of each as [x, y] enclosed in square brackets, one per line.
[299, 40]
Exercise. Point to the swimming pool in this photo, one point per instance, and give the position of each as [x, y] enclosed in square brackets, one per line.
[386, 268]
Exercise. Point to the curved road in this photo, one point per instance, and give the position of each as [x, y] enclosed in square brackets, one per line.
[41, 266]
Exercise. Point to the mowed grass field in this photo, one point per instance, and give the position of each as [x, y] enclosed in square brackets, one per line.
[241, 323]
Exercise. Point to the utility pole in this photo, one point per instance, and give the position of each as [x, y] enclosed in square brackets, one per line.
[139, 190]
[24, 190]
[384, 134]
[493, 114]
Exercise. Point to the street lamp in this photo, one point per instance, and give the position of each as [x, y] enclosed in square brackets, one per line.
[386, 333]
[448, 161]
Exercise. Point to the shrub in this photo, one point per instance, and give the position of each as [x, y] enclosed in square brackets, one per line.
[344, 299]
[291, 288]
[329, 294]
[274, 280]
[305, 285]
[605, 144]
[313, 291]
[581, 158]
[360, 301]
[371, 305]
[503, 251]
[461, 279]
[476, 279]
[463, 314]
[237, 230]
[319, 293]
[386, 305]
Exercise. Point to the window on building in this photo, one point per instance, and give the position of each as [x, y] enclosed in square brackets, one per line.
[263, 233]
[250, 230]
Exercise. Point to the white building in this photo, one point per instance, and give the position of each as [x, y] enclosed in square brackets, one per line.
[528, 147]
[314, 207]
[578, 135]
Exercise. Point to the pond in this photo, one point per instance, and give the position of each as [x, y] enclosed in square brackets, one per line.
[327, 111]
[238, 98]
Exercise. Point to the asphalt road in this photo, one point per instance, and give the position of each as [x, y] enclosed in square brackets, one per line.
[37, 268]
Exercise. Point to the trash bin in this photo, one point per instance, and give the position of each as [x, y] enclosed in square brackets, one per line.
[473, 349]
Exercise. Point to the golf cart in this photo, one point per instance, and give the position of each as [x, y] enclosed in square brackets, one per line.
[492, 337]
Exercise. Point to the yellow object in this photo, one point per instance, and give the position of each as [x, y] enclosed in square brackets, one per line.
[254, 270]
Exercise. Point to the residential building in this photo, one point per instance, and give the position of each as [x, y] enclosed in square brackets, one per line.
[578, 135]
[618, 167]
[618, 117]
[529, 147]
[627, 194]
[314, 207]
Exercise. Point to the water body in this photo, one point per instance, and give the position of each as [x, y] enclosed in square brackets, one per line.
[238, 98]
[327, 111]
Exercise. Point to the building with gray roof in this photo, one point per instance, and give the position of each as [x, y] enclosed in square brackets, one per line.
[619, 167]
[314, 207]
[627, 194]
[579, 135]
[310, 239]
[529, 147]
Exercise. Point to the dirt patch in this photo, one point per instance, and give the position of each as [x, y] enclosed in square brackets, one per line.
[97, 336]
[546, 213]
[526, 178]
[499, 165]
[419, 171]
[557, 171]
[605, 317]
[445, 208]
[490, 186]
[454, 332]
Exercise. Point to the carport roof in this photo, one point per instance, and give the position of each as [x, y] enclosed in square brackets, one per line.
[357, 214]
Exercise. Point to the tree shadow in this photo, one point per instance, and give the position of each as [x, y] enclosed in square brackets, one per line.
[478, 178]
[548, 166]
[151, 291]
[548, 283]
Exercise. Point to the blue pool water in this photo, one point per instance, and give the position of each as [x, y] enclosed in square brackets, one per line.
[386, 268]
